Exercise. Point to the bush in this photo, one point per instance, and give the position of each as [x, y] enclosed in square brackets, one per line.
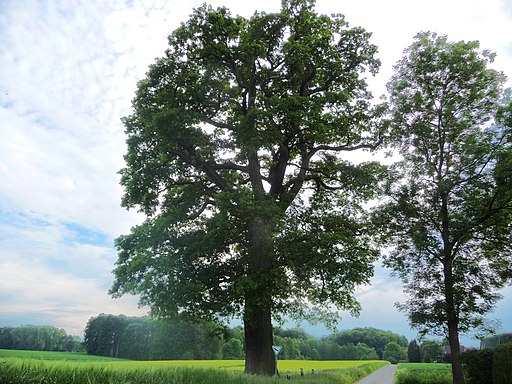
[502, 364]
[478, 365]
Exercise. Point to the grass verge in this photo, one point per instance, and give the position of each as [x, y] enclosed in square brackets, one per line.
[423, 373]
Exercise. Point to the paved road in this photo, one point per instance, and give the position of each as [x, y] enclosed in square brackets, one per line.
[385, 375]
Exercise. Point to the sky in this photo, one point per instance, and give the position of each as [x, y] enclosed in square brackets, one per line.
[68, 73]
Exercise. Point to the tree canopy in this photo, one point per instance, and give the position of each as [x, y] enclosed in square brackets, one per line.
[450, 212]
[414, 352]
[394, 353]
[233, 156]
[39, 338]
[375, 338]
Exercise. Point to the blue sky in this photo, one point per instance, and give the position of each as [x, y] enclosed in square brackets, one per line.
[68, 71]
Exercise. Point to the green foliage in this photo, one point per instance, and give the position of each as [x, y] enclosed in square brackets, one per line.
[374, 338]
[6, 338]
[39, 338]
[493, 341]
[394, 353]
[423, 374]
[232, 155]
[147, 339]
[142, 338]
[414, 352]
[299, 345]
[294, 333]
[477, 365]
[502, 364]
[233, 349]
[450, 218]
[329, 350]
[364, 352]
[103, 335]
[228, 131]
[449, 211]
[432, 351]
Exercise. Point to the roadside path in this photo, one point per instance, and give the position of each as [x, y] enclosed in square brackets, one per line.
[385, 375]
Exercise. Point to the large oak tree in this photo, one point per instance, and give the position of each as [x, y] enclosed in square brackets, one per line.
[233, 155]
[451, 208]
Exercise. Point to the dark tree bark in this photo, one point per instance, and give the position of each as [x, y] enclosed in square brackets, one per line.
[452, 322]
[453, 338]
[259, 356]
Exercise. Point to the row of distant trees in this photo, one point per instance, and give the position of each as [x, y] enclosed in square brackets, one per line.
[39, 338]
[143, 338]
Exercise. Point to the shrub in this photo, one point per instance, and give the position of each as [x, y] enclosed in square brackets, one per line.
[478, 365]
[502, 364]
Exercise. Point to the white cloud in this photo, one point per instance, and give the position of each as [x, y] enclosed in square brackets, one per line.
[39, 292]
[378, 305]
[46, 274]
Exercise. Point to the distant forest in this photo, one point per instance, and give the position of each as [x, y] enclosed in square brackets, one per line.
[39, 338]
[144, 338]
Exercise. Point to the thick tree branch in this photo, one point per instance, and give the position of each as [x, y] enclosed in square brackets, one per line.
[229, 165]
[278, 171]
[347, 147]
[201, 209]
[191, 157]
[217, 124]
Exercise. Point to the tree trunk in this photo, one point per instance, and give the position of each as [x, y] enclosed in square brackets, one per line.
[453, 338]
[452, 321]
[259, 356]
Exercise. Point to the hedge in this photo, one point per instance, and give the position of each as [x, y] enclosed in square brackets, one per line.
[478, 365]
[502, 364]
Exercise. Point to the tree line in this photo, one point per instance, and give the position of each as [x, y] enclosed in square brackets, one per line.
[39, 338]
[144, 338]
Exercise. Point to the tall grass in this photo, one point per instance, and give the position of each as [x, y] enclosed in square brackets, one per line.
[423, 374]
[17, 371]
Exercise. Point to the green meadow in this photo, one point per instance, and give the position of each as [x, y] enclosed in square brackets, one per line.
[26, 367]
[61, 356]
[423, 373]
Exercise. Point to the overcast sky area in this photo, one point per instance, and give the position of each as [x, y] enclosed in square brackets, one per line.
[68, 72]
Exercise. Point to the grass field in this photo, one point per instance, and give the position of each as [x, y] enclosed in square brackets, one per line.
[61, 356]
[423, 373]
[238, 365]
[17, 367]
